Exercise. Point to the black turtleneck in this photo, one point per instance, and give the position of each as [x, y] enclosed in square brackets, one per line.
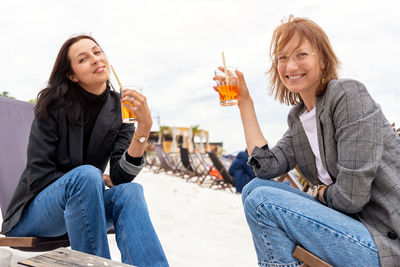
[92, 105]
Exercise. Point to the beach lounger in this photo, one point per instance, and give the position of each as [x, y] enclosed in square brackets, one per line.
[152, 160]
[296, 179]
[167, 164]
[227, 181]
[202, 167]
[194, 171]
[15, 123]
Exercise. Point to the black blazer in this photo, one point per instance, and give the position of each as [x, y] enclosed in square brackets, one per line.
[56, 147]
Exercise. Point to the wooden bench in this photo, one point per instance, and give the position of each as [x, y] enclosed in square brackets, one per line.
[62, 257]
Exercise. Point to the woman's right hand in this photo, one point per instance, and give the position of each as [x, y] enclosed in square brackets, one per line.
[252, 130]
[243, 91]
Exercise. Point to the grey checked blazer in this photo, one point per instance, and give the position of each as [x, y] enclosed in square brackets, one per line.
[360, 151]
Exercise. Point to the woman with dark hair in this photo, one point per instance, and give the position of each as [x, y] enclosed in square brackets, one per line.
[77, 129]
[341, 142]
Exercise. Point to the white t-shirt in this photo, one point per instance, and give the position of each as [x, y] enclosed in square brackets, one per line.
[310, 127]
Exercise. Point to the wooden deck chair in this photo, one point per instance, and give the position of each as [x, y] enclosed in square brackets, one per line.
[309, 259]
[185, 159]
[190, 169]
[166, 163]
[227, 178]
[296, 179]
[15, 122]
[202, 167]
[151, 159]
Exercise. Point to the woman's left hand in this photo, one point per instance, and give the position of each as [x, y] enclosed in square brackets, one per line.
[139, 107]
[107, 180]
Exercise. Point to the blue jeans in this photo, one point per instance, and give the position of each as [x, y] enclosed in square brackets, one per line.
[281, 217]
[78, 204]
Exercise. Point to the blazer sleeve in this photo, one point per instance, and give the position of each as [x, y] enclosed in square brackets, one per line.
[41, 161]
[357, 119]
[270, 163]
[121, 171]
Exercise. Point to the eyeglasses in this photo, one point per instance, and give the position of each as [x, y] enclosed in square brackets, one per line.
[298, 56]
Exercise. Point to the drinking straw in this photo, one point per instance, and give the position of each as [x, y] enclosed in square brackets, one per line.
[116, 77]
[226, 71]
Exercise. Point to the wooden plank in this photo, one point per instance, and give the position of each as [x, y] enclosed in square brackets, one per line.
[17, 241]
[296, 181]
[63, 257]
[308, 258]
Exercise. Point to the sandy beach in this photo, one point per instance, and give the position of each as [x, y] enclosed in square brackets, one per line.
[197, 226]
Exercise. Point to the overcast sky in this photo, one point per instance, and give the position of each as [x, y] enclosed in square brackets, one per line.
[172, 48]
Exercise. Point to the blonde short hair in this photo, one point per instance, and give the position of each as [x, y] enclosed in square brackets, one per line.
[305, 29]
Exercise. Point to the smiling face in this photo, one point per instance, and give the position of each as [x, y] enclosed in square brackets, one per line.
[89, 65]
[299, 67]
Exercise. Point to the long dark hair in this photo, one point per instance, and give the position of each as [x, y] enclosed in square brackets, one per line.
[61, 94]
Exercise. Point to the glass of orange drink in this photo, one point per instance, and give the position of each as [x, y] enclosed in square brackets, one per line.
[127, 114]
[227, 86]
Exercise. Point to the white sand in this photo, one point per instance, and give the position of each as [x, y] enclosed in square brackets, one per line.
[197, 226]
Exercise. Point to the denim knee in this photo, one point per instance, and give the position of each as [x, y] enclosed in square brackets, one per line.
[248, 188]
[249, 205]
[132, 192]
[261, 196]
[88, 178]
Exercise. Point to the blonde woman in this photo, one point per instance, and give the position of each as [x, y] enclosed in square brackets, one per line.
[342, 143]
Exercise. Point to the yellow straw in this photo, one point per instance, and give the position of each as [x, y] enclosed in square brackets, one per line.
[226, 71]
[116, 77]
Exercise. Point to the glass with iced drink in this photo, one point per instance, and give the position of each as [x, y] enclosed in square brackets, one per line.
[127, 115]
[227, 86]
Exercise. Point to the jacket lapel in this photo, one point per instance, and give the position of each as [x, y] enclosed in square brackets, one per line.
[103, 124]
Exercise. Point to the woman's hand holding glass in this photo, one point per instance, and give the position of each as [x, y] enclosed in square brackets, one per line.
[238, 79]
[252, 130]
[138, 106]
